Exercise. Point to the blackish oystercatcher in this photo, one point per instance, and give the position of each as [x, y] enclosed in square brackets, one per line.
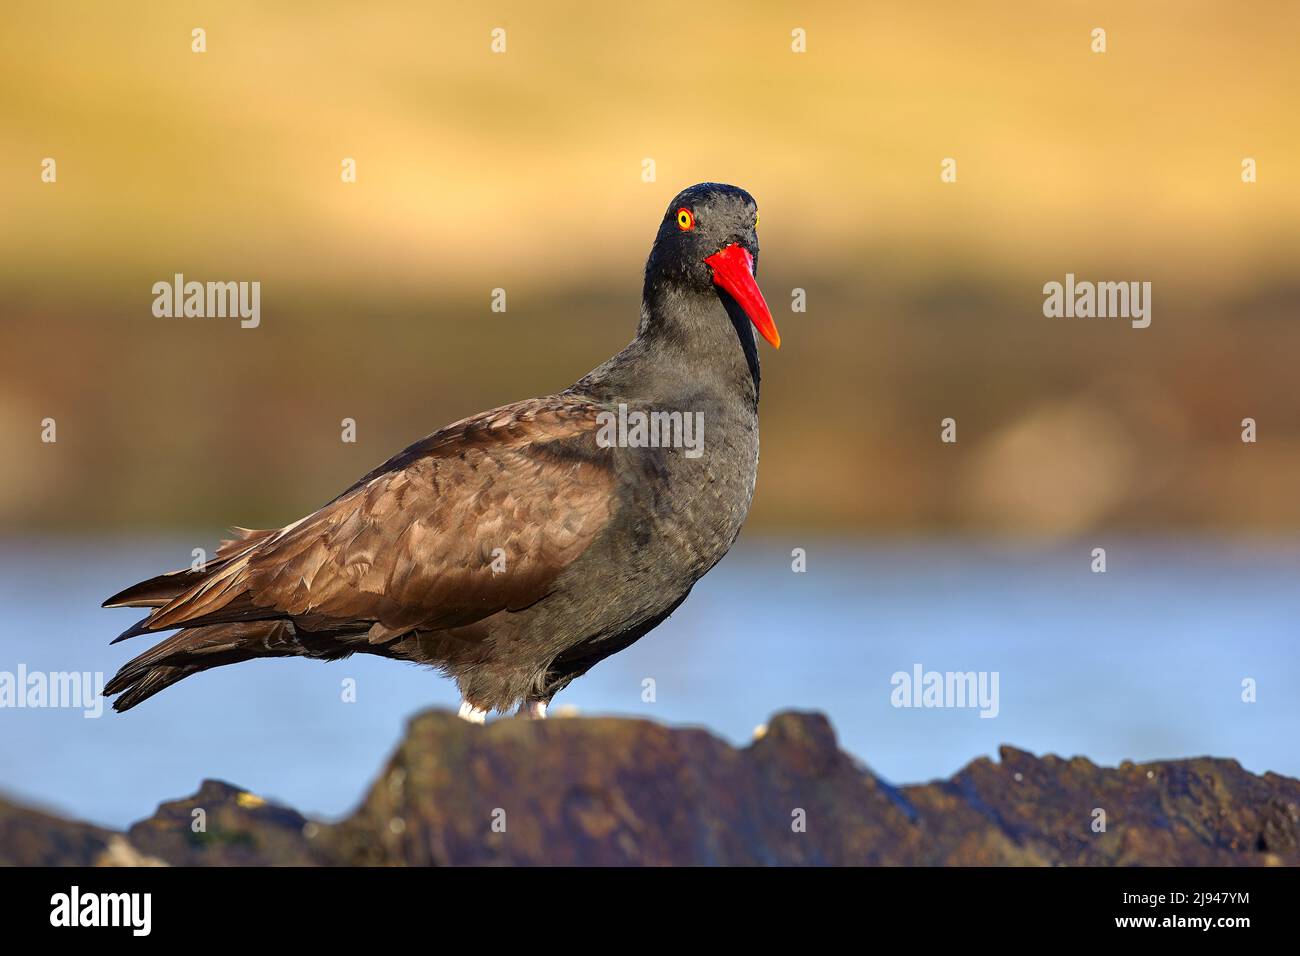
[515, 549]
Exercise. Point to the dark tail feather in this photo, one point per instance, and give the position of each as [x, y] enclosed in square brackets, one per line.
[148, 684]
[156, 591]
[135, 630]
[159, 590]
[198, 649]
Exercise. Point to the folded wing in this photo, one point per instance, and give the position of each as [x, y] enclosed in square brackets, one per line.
[478, 518]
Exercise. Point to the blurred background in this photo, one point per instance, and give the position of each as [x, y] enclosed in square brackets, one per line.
[523, 170]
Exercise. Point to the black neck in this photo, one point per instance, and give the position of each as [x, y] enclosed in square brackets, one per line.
[687, 343]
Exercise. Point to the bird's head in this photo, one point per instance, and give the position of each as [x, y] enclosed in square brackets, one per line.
[708, 244]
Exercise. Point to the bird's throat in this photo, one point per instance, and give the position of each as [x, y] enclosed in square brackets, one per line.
[703, 336]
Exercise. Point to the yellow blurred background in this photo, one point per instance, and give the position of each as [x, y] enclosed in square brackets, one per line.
[523, 170]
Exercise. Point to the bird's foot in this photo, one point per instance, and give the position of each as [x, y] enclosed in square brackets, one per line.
[474, 715]
[532, 710]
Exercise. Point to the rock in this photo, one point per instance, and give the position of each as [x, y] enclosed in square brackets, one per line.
[32, 838]
[609, 791]
[223, 825]
[121, 853]
[617, 792]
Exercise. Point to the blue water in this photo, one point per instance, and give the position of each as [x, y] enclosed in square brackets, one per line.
[1143, 662]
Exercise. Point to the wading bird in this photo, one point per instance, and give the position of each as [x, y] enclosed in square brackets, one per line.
[515, 549]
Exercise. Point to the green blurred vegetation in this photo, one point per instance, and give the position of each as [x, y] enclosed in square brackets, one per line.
[523, 171]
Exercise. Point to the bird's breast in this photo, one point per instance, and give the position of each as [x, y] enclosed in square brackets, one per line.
[685, 501]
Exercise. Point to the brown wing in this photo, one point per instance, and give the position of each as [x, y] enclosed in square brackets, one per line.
[478, 518]
[157, 591]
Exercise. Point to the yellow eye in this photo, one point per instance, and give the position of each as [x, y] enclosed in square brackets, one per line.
[755, 220]
[685, 219]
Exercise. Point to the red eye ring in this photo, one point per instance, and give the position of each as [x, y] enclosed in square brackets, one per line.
[685, 219]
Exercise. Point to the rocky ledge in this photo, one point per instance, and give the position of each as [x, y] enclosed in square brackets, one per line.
[610, 791]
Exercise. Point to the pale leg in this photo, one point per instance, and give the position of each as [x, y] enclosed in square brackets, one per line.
[472, 714]
[532, 709]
